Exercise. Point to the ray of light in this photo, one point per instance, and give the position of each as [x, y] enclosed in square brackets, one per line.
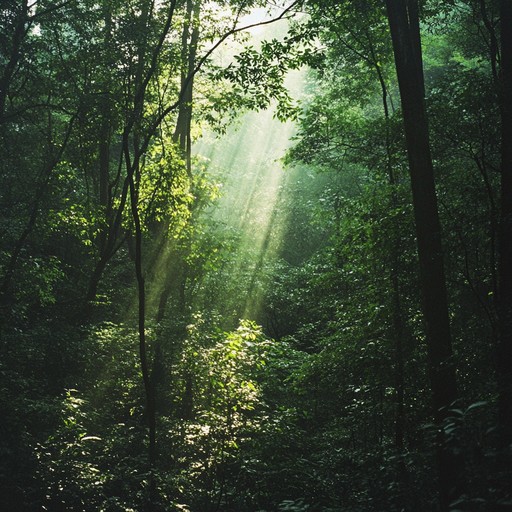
[251, 203]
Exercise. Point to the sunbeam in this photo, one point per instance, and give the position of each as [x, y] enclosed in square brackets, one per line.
[251, 156]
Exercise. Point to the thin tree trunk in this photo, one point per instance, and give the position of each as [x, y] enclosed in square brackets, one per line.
[148, 385]
[105, 125]
[396, 249]
[131, 129]
[189, 41]
[404, 26]
[181, 136]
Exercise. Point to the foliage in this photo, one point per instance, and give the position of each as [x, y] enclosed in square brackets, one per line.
[284, 349]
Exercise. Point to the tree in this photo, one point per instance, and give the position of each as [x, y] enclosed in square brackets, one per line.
[403, 18]
[504, 348]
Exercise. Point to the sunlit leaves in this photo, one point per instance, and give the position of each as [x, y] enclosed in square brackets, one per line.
[230, 363]
[258, 77]
[164, 189]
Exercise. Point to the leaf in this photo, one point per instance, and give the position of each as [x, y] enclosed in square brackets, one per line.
[475, 405]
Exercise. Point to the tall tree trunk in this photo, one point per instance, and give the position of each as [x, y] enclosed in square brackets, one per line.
[189, 41]
[404, 26]
[21, 24]
[105, 116]
[504, 346]
[146, 377]
[181, 136]
[133, 166]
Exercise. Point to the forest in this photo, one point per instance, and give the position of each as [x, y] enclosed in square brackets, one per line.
[256, 256]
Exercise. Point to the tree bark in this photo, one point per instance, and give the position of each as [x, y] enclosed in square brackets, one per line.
[181, 136]
[504, 303]
[404, 26]
[189, 41]
[143, 355]
[21, 24]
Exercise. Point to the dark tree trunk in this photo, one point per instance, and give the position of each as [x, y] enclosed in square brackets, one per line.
[21, 24]
[143, 351]
[105, 126]
[404, 26]
[504, 346]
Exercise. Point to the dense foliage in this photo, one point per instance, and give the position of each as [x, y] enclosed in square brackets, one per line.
[215, 329]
